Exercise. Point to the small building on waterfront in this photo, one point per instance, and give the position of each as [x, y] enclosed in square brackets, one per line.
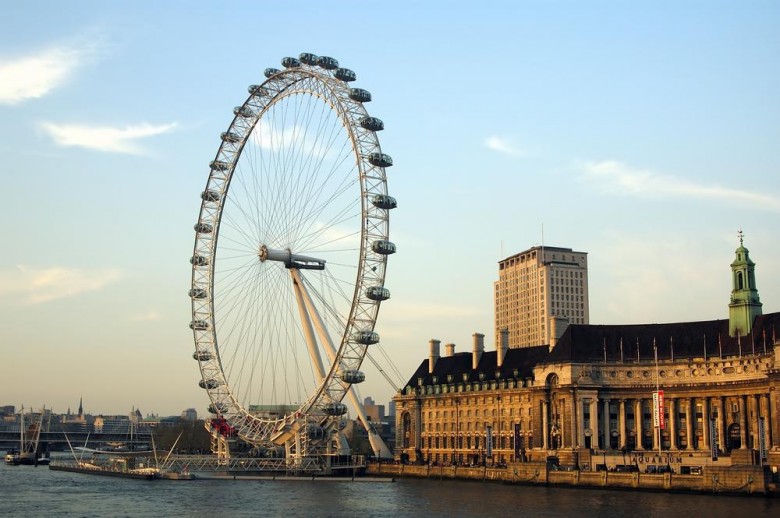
[643, 397]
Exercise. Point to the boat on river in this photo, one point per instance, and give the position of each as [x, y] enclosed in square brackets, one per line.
[29, 452]
[120, 464]
[115, 467]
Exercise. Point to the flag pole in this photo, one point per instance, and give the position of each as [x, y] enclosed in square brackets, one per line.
[660, 408]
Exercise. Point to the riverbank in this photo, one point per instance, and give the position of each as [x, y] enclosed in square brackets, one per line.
[731, 480]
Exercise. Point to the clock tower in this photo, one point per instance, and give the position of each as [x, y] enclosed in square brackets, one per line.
[745, 305]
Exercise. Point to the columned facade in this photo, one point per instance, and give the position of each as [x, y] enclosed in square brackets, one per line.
[589, 393]
[496, 422]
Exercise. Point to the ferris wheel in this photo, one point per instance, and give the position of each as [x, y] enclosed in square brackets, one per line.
[291, 247]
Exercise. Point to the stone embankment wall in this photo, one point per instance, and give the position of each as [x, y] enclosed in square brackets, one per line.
[727, 480]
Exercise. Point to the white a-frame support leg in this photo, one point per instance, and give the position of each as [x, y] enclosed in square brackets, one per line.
[377, 444]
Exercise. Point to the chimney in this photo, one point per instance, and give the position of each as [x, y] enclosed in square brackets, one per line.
[558, 326]
[449, 350]
[479, 348]
[501, 347]
[433, 355]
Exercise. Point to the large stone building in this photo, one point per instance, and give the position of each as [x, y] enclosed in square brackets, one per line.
[586, 399]
[540, 291]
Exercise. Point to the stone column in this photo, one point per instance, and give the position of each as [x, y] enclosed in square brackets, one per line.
[672, 424]
[545, 427]
[705, 423]
[638, 418]
[594, 423]
[562, 410]
[742, 423]
[722, 441]
[689, 422]
[692, 408]
[753, 409]
[766, 414]
[605, 421]
[580, 422]
[772, 416]
[622, 436]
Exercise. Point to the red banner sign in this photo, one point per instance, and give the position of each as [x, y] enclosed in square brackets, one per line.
[661, 419]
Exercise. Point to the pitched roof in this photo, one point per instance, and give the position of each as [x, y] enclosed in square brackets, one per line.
[590, 343]
[518, 363]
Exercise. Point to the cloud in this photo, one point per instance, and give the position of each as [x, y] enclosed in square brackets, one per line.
[35, 75]
[39, 285]
[617, 178]
[105, 138]
[503, 145]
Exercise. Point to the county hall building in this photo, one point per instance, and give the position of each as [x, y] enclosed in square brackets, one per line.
[584, 398]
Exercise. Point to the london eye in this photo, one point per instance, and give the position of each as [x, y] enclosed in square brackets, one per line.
[288, 265]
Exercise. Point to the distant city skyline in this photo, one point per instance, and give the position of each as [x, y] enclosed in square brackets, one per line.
[644, 133]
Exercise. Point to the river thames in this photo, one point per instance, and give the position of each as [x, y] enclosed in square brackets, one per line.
[37, 491]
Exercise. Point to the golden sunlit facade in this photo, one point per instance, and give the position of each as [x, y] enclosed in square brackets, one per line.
[679, 397]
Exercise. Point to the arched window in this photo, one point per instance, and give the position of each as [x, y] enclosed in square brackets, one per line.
[740, 281]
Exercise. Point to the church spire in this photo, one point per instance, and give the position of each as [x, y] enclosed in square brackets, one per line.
[81, 406]
[745, 305]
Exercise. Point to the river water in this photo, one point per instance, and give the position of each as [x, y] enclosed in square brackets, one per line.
[36, 491]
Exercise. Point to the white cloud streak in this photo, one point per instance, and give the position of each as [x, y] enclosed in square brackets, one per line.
[105, 138]
[31, 285]
[35, 75]
[617, 178]
[503, 145]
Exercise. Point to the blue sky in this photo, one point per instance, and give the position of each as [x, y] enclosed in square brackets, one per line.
[644, 133]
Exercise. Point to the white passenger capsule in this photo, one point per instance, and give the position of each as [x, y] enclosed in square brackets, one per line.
[198, 293]
[244, 111]
[203, 228]
[380, 160]
[378, 293]
[383, 201]
[366, 337]
[359, 95]
[345, 74]
[383, 247]
[371, 123]
[199, 325]
[202, 356]
[335, 409]
[209, 384]
[229, 137]
[353, 376]
[308, 58]
[199, 260]
[212, 196]
[328, 63]
[219, 165]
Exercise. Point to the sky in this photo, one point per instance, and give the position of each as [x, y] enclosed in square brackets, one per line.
[645, 133]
